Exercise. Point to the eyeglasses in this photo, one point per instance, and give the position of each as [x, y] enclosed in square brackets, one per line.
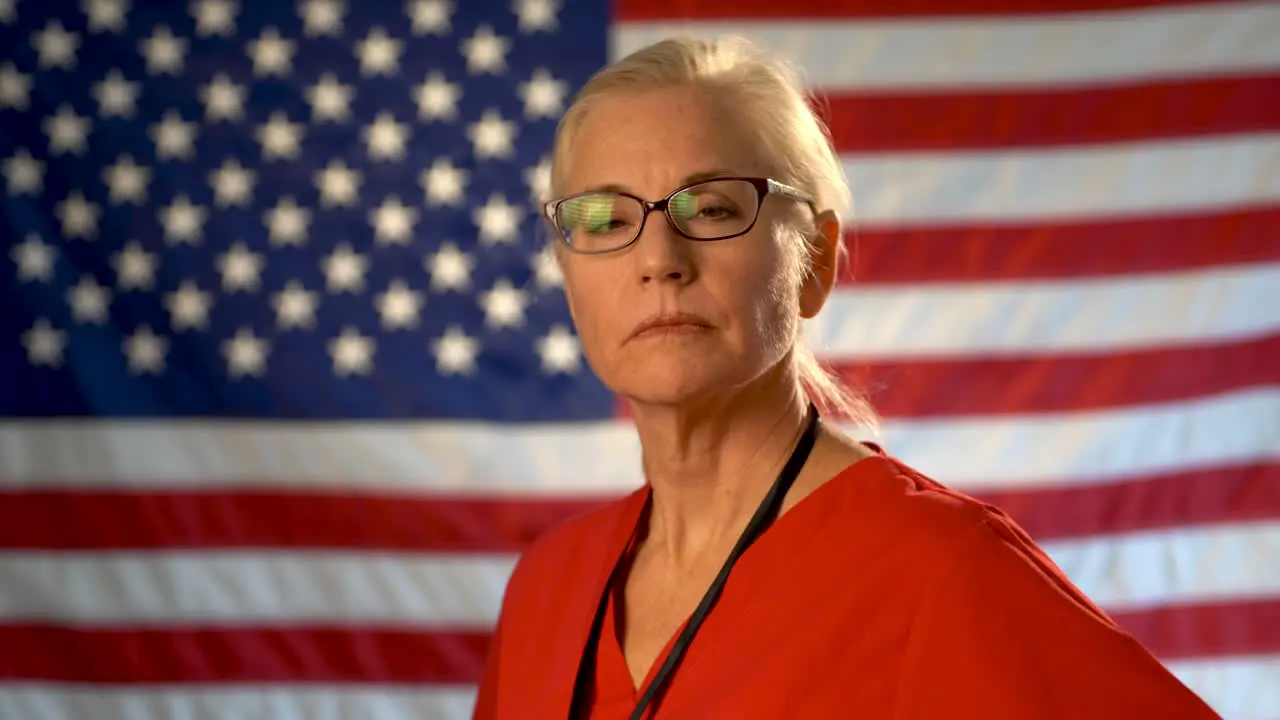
[717, 209]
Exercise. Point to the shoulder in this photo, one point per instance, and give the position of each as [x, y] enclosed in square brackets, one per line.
[575, 548]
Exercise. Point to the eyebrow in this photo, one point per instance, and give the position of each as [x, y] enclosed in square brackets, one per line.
[686, 180]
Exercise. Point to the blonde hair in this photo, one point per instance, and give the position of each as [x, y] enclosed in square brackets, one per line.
[789, 133]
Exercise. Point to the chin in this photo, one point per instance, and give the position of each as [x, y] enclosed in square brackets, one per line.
[670, 381]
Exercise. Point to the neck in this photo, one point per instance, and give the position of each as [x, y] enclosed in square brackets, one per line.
[710, 463]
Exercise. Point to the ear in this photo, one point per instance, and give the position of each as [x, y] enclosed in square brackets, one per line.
[558, 253]
[824, 255]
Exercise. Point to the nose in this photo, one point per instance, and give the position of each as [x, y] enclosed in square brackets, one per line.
[662, 254]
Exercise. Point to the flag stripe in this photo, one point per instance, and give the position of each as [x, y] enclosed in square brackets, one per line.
[1090, 49]
[1063, 383]
[895, 121]
[258, 654]
[230, 519]
[1109, 313]
[301, 701]
[242, 654]
[1070, 248]
[971, 452]
[746, 11]
[1125, 571]
[1051, 184]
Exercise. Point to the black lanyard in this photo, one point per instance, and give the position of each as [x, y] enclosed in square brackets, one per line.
[765, 513]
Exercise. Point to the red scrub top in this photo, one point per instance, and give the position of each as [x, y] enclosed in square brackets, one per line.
[881, 595]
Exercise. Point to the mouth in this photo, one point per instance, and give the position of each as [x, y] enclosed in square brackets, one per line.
[669, 324]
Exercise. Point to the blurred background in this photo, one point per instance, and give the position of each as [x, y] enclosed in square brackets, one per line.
[287, 382]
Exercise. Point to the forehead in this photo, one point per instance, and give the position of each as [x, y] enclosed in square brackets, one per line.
[649, 141]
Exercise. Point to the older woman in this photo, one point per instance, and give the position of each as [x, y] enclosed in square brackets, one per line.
[769, 567]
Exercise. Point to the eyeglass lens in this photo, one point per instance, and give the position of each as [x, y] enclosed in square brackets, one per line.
[601, 221]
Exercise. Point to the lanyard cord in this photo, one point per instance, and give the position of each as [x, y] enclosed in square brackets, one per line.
[765, 513]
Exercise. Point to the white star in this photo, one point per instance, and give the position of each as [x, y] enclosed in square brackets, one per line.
[15, 88]
[24, 174]
[55, 47]
[399, 306]
[543, 95]
[546, 270]
[503, 305]
[78, 216]
[430, 17]
[538, 178]
[330, 99]
[450, 268]
[174, 138]
[44, 343]
[386, 138]
[535, 15]
[344, 270]
[437, 98]
[288, 223]
[8, 11]
[393, 222]
[279, 137]
[339, 185]
[492, 136]
[241, 268]
[455, 352]
[232, 184]
[183, 221]
[189, 307]
[135, 267]
[560, 351]
[146, 351]
[246, 354]
[116, 96]
[352, 353]
[223, 99]
[497, 220]
[379, 53]
[295, 306]
[89, 301]
[215, 17]
[34, 259]
[105, 15]
[443, 183]
[485, 51]
[126, 181]
[68, 132]
[322, 17]
[271, 54]
[164, 51]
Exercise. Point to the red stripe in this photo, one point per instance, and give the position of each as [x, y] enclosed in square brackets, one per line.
[948, 387]
[875, 122]
[149, 655]
[240, 654]
[1193, 497]
[731, 10]
[94, 520]
[1208, 630]
[1064, 248]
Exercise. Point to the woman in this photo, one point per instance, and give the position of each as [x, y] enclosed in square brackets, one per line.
[770, 567]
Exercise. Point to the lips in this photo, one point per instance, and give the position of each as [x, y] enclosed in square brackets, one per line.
[669, 323]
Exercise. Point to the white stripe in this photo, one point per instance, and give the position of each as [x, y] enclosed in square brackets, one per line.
[1143, 570]
[262, 586]
[34, 701]
[1072, 49]
[604, 457]
[872, 322]
[894, 189]
[1243, 688]
[267, 586]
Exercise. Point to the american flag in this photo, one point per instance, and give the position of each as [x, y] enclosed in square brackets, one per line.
[289, 382]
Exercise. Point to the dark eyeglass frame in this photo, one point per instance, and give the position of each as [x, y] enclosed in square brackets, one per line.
[764, 187]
